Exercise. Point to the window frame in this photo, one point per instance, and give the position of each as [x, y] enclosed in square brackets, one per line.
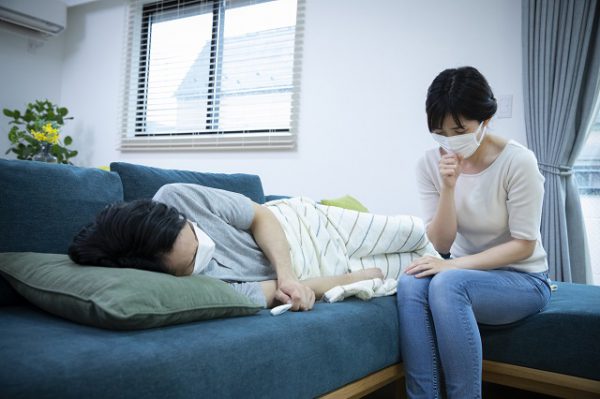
[134, 138]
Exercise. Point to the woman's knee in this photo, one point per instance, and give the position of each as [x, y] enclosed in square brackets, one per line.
[448, 287]
[410, 287]
[449, 277]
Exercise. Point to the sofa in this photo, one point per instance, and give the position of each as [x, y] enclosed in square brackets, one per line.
[56, 343]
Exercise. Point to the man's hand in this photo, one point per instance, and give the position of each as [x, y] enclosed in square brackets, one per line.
[429, 266]
[299, 295]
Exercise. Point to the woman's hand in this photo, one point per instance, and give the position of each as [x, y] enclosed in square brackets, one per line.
[450, 167]
[429, 266]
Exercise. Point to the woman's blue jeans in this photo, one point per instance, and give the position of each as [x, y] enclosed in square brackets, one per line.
[438, 324]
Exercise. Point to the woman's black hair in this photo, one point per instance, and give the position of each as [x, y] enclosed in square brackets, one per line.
[459, 92]
[132, 234]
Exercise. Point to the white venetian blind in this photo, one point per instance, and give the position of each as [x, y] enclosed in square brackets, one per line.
[211, 74]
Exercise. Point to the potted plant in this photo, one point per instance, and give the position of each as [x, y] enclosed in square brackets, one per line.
[35, 134]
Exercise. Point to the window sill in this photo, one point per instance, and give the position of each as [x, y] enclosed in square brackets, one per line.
[236, 141]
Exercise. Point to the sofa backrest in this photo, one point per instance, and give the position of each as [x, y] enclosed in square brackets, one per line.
[42, 206]
[144, 181]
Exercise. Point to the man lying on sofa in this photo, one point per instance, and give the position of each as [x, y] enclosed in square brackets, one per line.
[286, 251]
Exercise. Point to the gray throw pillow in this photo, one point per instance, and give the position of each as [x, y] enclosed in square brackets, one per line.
[119, 299]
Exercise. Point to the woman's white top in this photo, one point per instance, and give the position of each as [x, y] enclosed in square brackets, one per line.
[502, 202]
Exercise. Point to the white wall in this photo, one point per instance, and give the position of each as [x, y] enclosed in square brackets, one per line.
[367, 66]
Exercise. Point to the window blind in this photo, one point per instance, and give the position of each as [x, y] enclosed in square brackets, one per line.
[211, 74]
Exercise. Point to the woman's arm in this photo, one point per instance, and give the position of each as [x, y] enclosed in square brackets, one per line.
[443, 226]
[508, 253]
[271, 239]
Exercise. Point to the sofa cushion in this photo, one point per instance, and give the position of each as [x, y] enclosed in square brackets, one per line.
[295, 355]
[563, 338]
[346, 202]
[43, 205]
[119, 298]
[144, 181]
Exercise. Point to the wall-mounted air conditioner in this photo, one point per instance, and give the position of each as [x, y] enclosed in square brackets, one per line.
[40, 18]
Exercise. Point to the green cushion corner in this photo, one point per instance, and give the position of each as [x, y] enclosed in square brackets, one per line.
[346, 202]
[120, 299]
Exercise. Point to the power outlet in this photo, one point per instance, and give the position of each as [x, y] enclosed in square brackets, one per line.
[504, 106]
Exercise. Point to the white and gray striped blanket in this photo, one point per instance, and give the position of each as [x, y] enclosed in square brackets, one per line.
[327, 240]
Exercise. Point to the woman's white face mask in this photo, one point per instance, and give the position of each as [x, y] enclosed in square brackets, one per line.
[462, 144]
[205, 251]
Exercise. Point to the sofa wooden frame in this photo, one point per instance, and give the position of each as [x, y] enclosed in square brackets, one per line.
[540, 381]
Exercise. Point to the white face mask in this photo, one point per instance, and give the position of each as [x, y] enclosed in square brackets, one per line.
[205, 252]
[463, 144]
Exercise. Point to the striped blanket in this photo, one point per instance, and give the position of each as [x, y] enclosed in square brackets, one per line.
[327, 240]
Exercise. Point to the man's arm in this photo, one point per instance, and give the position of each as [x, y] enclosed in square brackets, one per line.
[271, 239]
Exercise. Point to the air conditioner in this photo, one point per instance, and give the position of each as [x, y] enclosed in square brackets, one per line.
[39, 18]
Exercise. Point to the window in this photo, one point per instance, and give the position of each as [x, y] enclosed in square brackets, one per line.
[587, 174]
[211, 74]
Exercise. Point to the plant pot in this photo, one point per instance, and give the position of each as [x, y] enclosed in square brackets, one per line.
[44, 154]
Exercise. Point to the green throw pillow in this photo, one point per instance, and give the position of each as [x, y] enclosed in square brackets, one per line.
[347, 202]
[120, 299]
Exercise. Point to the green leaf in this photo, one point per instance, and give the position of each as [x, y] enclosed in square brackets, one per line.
[29, 116]
[8, 112]
[21, 151]
[68, 140]
[63, 111]
[12, 136]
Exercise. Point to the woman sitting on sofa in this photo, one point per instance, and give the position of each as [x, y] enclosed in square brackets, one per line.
[227, 236]
[482, 197]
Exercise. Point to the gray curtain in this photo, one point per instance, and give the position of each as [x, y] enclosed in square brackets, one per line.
[561, 67]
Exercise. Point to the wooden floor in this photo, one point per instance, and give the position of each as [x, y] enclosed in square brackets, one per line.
[489, 391]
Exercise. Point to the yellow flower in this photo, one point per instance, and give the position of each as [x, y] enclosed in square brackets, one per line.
[38, 136]
[49, 130]
[48, 134]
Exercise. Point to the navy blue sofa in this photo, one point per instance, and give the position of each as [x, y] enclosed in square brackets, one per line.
[340, 350]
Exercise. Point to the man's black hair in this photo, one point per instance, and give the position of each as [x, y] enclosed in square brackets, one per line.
[134, 234]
